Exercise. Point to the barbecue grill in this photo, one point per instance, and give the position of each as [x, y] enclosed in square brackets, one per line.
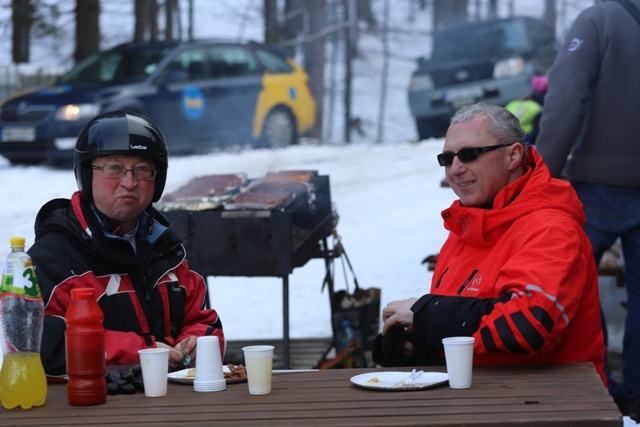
[224, 237]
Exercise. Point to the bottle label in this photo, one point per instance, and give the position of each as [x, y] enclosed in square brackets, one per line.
[20, 279]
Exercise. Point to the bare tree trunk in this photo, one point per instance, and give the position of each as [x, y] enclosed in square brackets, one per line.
[21, 20]
[492, 13]
[190, 13]
[270, 21]
[348, 57]
[87, 28]
[292, 24]
[550, 15]
[449, 13]
[385, 73]
[153, 20]
[315, 61]
[170, 15]
[142, 13]
[363, 9]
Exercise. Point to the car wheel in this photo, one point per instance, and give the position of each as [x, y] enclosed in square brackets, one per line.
[279, 129]
[427, 128]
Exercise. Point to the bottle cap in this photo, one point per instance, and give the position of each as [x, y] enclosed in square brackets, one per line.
[82, 293]
[17, 242]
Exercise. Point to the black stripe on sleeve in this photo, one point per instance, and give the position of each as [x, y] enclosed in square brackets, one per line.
[505, 334]
[487, 340]
[534, 339]
[543, 317]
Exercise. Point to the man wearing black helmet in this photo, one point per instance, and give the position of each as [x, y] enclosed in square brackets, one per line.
[110, 238]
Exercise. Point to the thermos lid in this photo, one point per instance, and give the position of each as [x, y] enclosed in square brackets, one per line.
[82, 293]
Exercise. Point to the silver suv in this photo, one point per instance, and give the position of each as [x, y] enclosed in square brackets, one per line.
[490, 61]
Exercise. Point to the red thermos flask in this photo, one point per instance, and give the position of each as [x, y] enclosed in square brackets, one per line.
[84, 343]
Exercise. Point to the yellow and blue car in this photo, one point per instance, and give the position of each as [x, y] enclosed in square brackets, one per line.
[204, 95]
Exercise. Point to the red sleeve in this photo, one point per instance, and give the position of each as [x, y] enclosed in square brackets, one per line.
[549, 275]
[198, 321]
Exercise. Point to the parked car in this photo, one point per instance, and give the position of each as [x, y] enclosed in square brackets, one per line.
[491, 62]
[202, 94]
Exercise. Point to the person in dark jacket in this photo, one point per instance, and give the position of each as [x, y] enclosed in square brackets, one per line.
[109, 237]
[590, 133]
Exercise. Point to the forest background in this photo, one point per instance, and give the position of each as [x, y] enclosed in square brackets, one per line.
[43, 38]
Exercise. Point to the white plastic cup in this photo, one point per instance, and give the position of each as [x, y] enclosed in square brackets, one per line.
[258, 360]
[155, 368]
[458, 352]
[209, 374]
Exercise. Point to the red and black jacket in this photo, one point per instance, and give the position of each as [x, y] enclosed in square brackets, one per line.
[519, 277]
[146, 296]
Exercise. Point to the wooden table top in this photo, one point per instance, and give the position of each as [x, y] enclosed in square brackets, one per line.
[543, 395]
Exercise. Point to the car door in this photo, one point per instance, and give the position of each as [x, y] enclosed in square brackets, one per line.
[232, 93]
[180, 106]
[209, 93]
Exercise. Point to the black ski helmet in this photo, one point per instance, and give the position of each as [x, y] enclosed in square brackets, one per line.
[119, 132]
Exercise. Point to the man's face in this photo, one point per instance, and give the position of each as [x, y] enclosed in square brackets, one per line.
[477, 182]
[122, 199]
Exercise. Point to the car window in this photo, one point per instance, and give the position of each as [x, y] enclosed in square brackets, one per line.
[231, 61]
[116, 66]
[486, 39]
[272, 62]
[539, 33]
[193, 62]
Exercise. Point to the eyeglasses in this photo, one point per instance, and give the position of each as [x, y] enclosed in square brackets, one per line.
[140, 173]
[467, 155]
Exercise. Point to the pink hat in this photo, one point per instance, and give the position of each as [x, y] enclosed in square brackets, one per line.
[539, 84]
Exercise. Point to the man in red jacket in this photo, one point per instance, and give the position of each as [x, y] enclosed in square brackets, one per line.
[516, 272]
[109, 237]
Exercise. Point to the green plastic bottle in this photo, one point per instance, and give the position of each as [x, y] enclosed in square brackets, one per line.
[22, 379]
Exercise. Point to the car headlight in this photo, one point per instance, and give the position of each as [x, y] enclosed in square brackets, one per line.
[420, 82]
[508, 68]
[75, 112]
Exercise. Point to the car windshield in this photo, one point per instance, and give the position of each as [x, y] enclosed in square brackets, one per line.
[482, 40]
[117, 66]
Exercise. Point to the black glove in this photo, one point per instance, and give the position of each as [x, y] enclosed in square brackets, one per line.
[124, 380]
[388, 349]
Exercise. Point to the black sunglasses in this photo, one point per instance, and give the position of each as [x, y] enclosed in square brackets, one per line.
[467, 154]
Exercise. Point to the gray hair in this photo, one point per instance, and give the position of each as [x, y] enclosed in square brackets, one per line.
[506, 127]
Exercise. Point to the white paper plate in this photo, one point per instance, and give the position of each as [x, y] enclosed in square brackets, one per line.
[386, 380]
[186, 376]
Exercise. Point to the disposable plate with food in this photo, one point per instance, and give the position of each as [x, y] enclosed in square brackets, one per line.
[186, 376]
[389, 380]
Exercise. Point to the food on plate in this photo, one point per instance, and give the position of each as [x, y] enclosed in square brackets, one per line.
[191, 373]
[235, 371]
[373, 380]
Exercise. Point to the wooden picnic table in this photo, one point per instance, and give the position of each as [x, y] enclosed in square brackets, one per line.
[542, 395]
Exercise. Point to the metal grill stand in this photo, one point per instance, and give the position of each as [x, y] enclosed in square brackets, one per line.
[266, 243]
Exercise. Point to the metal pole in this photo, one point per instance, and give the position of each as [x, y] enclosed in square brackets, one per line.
[285, 323]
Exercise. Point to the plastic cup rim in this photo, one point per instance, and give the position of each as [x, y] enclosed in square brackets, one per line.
[153, 350]
[258, 348]
[458, 340]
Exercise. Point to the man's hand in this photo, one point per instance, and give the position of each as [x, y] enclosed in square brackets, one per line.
[398, 313]
[183, 355]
